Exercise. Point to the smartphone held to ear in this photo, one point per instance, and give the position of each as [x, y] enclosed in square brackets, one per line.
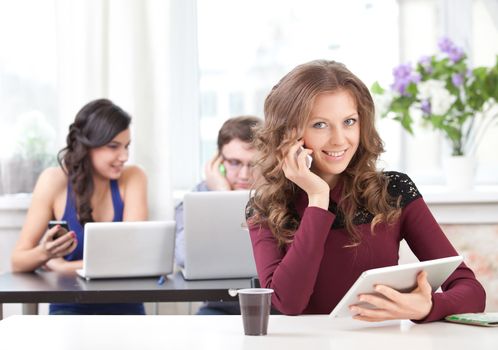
[222, 170]
[309, 159]
[64, 227]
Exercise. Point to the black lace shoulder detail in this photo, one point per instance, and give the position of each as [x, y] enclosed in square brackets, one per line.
[401, 185]
[361, 216]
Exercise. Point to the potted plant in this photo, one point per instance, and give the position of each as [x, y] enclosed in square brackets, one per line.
[31, 152]
[441, 91]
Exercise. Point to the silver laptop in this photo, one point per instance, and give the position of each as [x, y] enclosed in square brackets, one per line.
[217, 242]
[128, 249]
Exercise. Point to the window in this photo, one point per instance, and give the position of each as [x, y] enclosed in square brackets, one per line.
[28, 93]
[485, 48]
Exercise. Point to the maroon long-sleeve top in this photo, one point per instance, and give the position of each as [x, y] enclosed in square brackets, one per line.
[312, 274]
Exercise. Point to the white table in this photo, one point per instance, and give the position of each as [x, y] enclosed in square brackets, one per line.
[226, 332]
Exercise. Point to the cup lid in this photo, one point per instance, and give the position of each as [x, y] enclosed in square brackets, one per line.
[255, 291]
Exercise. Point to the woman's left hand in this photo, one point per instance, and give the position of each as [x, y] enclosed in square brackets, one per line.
[392, 305]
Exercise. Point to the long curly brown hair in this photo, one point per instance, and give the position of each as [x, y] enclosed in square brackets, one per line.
[287, 110]
[95, 125]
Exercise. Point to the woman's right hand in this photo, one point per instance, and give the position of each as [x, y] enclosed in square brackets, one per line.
[296, 170]
[59, 247]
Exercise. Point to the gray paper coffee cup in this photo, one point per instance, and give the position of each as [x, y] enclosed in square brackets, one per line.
[255, 305]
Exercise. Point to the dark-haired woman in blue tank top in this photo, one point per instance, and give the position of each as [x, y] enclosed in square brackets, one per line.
[92, 184]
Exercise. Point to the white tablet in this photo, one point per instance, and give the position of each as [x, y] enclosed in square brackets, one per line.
[400, 277]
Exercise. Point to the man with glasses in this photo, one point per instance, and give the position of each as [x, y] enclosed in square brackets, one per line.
[230, 169]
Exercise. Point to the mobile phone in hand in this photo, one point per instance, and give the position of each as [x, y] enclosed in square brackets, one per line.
[64, 227]
[309, 159]
[222, 170]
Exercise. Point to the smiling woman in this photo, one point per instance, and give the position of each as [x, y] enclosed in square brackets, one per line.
[97, 147]
[329, 223]
[91, 184]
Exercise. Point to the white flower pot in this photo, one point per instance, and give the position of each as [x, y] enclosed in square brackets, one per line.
[460, 172]
[19, 175]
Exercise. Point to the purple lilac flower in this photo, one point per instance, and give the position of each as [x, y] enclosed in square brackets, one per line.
[402, 71]
[425, 60]
[445, 45]
[469, 73]
[400, 86]
[403, 77]
[426, 107]
[457, 79]
[456, 54]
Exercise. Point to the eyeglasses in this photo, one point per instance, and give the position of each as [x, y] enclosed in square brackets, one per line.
[235, 164]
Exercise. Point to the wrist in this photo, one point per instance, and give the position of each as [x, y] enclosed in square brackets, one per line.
[320, 200]
[43, 253]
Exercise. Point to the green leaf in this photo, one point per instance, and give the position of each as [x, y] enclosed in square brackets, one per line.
[480, 73]
[437, 121]
[406, 122]
[377, 89]
[412, 89]
[453, 133]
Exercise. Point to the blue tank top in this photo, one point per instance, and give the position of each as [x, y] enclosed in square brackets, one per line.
[71, 217]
